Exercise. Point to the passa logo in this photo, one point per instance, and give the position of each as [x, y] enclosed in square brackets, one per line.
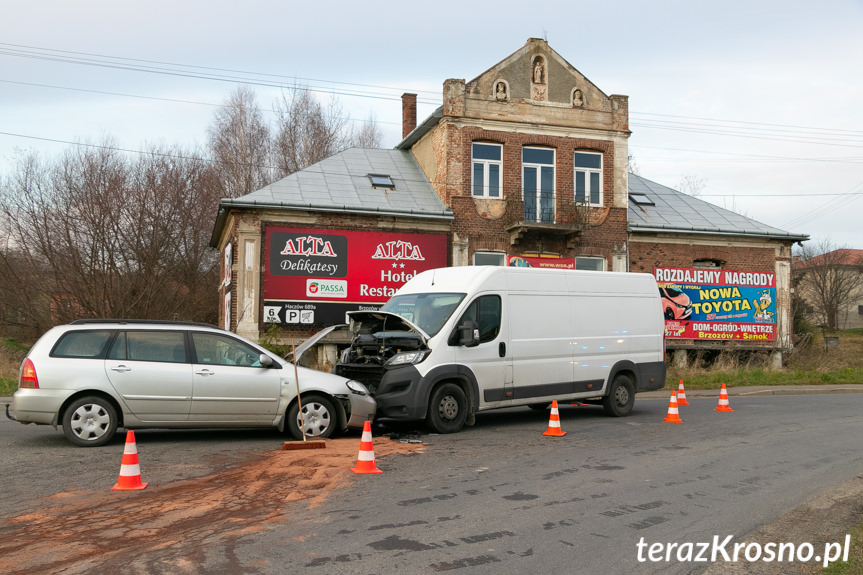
[327, 288]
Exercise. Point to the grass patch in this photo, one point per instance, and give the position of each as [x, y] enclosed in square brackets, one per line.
[854, 565]
[810, 364]
[11, 354]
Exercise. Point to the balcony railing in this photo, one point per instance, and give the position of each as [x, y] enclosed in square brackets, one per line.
[546, 216]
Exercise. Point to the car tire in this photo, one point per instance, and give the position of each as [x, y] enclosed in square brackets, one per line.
[447, 409]
[620, 398]
[669, 314]
[320, 417]
[90, 421]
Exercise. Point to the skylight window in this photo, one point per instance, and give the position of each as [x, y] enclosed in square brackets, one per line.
[641, 200]
[381, 181]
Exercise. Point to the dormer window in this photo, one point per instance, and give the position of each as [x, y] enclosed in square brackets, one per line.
[382, 181]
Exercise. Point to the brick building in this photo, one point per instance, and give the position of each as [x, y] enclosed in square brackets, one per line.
[527, 164]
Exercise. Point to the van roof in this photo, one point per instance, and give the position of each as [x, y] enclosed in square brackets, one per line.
[469, 279]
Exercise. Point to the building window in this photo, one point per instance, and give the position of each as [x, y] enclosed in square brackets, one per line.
[588, 178]
[538, 184]
[489, 259]
[487, 167]
[590, 264]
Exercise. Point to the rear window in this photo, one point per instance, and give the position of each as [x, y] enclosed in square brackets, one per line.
[90, 344]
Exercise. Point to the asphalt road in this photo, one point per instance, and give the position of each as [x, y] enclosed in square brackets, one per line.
[497, 498]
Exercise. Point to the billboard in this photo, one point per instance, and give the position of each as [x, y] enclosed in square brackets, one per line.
[717, 305]
[313, 276]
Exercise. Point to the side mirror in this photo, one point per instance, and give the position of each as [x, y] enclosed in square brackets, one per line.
[266, 361]
[468, 334]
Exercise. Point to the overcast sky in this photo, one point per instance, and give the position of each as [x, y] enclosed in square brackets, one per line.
[760, 101]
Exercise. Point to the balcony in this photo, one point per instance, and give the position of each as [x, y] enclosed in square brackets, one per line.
[545, 216]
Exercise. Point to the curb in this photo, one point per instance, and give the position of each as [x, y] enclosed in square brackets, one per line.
[760, 390]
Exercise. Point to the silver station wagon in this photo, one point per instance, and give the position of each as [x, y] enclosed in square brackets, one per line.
[93, 376]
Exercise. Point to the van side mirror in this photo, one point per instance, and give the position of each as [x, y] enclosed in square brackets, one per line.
[468, 334]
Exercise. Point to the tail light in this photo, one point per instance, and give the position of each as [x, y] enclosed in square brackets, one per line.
[28, 376]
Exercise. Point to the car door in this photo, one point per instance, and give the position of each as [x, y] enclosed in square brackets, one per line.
[489, 361]
[230, 385]
[151, 373]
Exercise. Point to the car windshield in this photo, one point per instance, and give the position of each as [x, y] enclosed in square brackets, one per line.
[428, 311]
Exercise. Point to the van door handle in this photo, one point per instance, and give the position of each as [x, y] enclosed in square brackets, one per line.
[501, 349]
[121, 368]
[205, 372]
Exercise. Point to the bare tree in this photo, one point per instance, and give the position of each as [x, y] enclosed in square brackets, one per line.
[98, 235]
[239, 141]
[691, 184]
[830, 280]
[368, 135]
[306, 131]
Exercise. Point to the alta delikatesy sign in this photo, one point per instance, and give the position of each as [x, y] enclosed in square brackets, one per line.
[311, 264]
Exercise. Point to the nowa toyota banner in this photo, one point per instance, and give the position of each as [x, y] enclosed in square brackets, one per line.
[313, 276]
[708, 304]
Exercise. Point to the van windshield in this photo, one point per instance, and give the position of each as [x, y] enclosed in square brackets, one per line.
[428, 311]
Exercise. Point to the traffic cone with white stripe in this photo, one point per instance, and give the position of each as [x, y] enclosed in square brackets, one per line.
[554, 422]
[723, 400]
[673, 414]
[130, 471]
[681, 394]
[366, 457]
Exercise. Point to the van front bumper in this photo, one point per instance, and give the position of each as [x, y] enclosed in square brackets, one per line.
[399, 394]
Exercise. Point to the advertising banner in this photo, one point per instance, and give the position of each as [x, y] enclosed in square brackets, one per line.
[716, 305]
[534, 262]
[313, 276]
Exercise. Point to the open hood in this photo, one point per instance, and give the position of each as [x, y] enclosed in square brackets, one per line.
[309, 342]
[384, 323]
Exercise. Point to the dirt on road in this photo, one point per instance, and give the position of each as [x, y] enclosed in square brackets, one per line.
[170, 528]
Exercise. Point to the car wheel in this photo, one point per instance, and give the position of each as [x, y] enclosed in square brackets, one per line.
[669, 314]
[90, 421]
[447, 409]
[620, 398]
[319, 418]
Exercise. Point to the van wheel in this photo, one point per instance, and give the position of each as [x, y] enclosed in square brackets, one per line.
[447, 409]
[90, 421]
[319, 417]
[620, 398]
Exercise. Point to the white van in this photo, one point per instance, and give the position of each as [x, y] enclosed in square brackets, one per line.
[455, 341]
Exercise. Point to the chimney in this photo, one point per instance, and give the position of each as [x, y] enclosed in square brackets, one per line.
[409, 113]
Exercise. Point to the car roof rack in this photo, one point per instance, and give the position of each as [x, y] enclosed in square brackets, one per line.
[143, 321]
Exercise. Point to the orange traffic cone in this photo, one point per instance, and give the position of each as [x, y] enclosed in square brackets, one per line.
[366, 457]
[673, 415]
[723, 400]
[554, 422]
[681, 394]
[130, 471]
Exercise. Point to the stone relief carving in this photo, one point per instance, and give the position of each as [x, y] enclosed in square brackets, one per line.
[538, 79]
[577, 98]
[501, 91]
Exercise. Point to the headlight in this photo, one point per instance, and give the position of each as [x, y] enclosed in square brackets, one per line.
[357, 387]
[407, 357]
